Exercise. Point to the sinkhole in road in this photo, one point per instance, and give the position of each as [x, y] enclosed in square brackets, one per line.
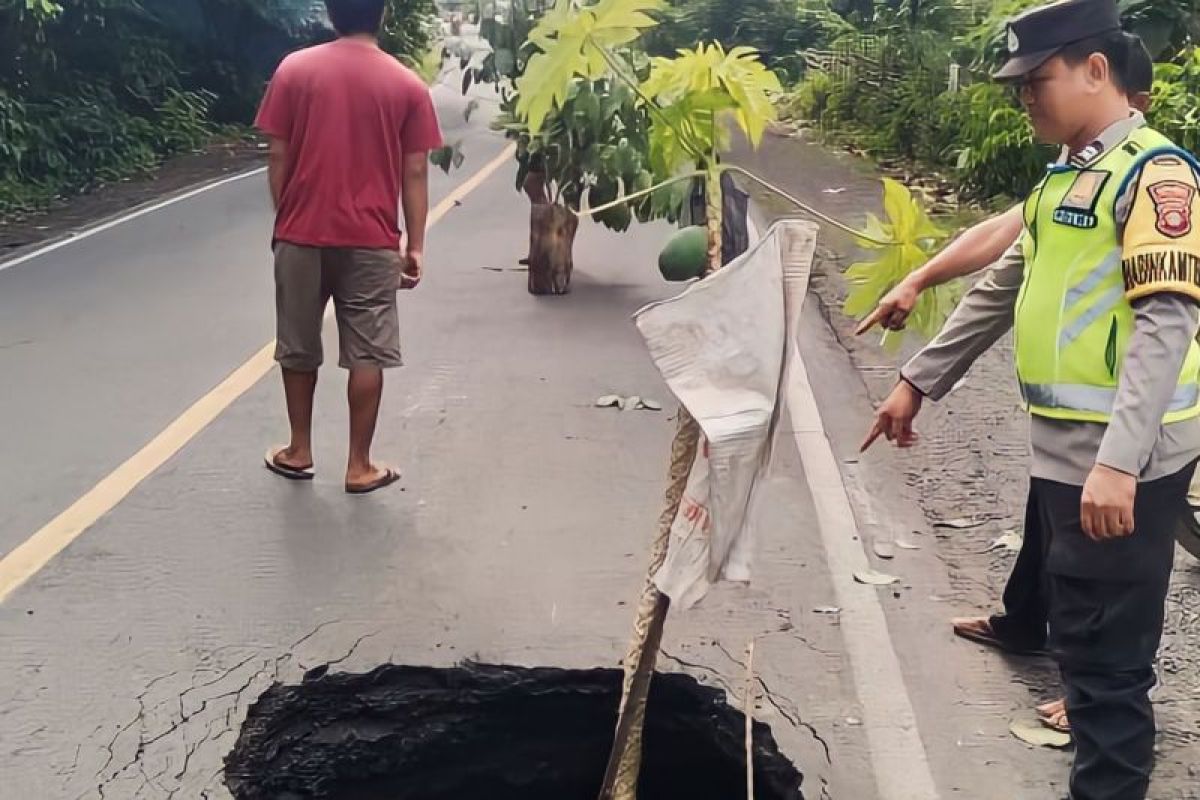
[500, 732]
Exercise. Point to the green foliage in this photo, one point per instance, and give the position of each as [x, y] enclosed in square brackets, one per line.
[1173, 107]
[881, 92]
[994, 151]
[887, 89]
[97, 90]
[427, 65]
[983, 43]
[778, 29]
[184, 121]
[591, 148]
[575, 39]
[809, 99]
[1167, 26]
[87, 138]
[709, 78]
[41, 9]
[684, 95]
[410, 28]
[916, 239]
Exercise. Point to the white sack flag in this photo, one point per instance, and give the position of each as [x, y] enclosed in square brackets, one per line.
[721, 346]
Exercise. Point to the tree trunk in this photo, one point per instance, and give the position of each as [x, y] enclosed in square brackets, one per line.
[551, 242]
[535, 187]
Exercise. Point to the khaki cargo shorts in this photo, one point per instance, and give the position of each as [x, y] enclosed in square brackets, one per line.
[362, 284]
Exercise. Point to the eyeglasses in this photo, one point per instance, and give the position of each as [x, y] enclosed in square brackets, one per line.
[1030, 85]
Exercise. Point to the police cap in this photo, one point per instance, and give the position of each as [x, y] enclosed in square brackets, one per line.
[1037, 35]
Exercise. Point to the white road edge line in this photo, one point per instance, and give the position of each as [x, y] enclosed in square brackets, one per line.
[87, 233]
[898, 756]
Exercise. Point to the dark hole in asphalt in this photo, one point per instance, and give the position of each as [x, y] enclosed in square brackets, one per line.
[496, 732]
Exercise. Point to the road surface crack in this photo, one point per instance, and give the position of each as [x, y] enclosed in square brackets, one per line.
[321, 669]
[180, 717]
[717, 678]
[794, 718]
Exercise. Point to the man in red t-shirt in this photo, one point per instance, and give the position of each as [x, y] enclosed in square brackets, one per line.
[350, 130]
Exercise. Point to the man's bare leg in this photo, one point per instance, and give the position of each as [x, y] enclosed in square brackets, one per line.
[298, 389]
[364, 392]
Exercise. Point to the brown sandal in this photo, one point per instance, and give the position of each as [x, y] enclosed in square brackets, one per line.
[1053, 715]
[389, 477]
[1059, 723]
[980, 631]
[271, 461]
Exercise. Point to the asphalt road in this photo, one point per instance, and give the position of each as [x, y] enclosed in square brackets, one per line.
[518, 535]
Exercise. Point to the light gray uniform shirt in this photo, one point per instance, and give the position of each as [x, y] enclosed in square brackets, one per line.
[1135, 440]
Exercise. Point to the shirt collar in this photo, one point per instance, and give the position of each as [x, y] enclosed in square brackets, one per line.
[1111, 137]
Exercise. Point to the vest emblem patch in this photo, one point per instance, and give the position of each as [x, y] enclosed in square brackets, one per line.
[1172, 207]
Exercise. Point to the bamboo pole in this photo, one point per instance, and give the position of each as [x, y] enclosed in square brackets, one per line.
[625, 760]
[748, 711]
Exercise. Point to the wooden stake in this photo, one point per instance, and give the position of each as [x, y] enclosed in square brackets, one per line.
[748, 711]
[625, 760]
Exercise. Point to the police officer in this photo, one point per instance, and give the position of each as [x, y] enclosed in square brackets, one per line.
[1101, 292]
[1021, 628]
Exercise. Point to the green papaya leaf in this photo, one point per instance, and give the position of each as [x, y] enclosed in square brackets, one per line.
[900, 209]
[915, 238]
[574, 39]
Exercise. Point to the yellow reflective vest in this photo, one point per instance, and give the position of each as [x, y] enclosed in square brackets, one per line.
[1073, 314]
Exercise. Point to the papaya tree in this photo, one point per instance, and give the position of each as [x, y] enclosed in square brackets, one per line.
[589, 150]
[687, 99]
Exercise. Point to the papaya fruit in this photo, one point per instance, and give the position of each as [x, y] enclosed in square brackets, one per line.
[685, 254]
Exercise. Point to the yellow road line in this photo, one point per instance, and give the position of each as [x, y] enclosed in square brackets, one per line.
[39, 549]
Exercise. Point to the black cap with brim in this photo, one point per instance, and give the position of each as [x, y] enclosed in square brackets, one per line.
[1039, 34]
[1018, 67]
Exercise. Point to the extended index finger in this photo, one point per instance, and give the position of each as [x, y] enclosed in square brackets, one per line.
[870, 322]
[875, 433]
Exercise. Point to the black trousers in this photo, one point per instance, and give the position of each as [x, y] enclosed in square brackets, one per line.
[1027, 594]
[1105, 608]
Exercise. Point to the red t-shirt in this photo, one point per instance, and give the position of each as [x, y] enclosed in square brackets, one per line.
[349, 112]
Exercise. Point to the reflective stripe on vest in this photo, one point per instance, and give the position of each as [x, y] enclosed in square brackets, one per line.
[1104, 304]
[1095, 399]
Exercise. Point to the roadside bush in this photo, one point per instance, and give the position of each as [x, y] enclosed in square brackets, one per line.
[1174, 109]
[993, 151]
[886, 87]
[780, 30]
[93, 91]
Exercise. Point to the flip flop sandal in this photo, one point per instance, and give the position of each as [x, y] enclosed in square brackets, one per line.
[389, 477]
[270, 460]
[1044, 712]
[990, 639]
[1058, 727]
